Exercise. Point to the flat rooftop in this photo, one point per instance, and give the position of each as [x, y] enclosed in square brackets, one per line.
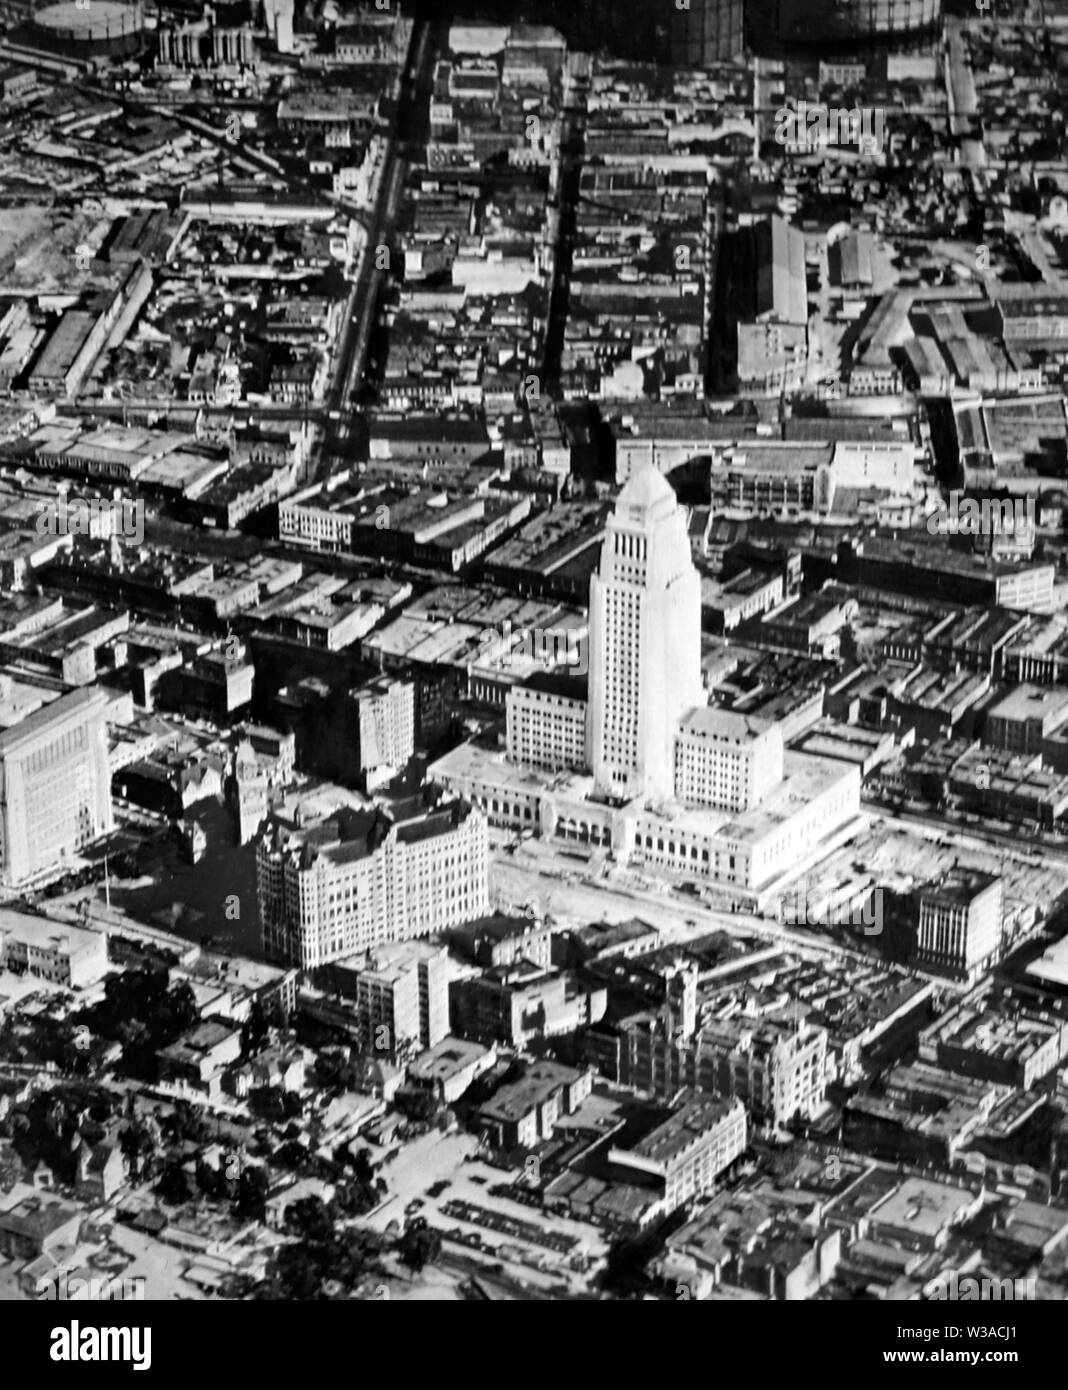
[923, 1206]
[446, 1058]
[1031, 702]
[679, 1132]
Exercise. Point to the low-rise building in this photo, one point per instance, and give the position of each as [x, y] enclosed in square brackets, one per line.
[201, 1055]
[33, 1222]
[57, 951]
[979, 1038]
[523, 1113]
[519, 1003]
[451, 1067]
[686, 1152]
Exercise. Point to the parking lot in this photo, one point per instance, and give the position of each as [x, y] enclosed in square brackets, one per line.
[538, 1246]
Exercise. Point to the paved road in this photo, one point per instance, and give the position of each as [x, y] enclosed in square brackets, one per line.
[531, 876]
[410, 131]
[572, 145]
[972, 837]
[960, 90]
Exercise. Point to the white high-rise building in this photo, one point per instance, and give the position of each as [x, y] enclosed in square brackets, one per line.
[645, 642]
[728, 760]
[960, 923]
[669, 784]
[55, 784]
[355, 880]
[385, 726]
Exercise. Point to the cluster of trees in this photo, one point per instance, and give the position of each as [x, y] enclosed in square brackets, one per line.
[272, 1103]
[337, 1071]
[256, 1033]
[363, 1192]
[51, 1126]
[144, 1012]
[418, 1105]
[321, 1257]
[245, 1188]
[419, 1245]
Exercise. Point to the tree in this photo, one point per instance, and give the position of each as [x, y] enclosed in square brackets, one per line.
[177, 1014]
[252, 1193]
[310, 1219]
[419, 1106]
[354, 1199]
[186, 1122]
[323, 1257]
[209, 1180]
[138, 1148]
[174, 1187]
[418, 1247]
[335, 1070]
[256, 1033]
[138, 1053]
[292, 1155]
[361, 1163]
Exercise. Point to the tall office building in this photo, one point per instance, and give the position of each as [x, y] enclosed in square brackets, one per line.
[959, 927]
[401, 994]
[645, 642]
[676, 786]
[352, 881]
[55, 785]
[706, 31]
[385, 728]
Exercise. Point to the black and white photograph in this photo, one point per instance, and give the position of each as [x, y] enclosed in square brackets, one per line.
[533, 671]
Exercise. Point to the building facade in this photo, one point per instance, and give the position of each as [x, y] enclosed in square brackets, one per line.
[706, 31]
[385, 720]
[356, 880]
[959, 927]
[56, 951]
[402, 996]
[546, 729]
[645, 642]
[777, 1069]
[726, 760]
[686, 1154]
[55, 785]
